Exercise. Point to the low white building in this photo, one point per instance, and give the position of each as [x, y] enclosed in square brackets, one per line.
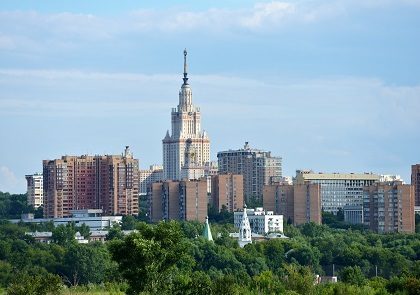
[91, 217]
[261, 221]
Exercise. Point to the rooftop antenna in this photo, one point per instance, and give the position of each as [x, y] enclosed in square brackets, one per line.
[185, 68]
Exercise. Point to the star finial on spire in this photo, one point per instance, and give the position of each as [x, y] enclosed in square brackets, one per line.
[185, 67]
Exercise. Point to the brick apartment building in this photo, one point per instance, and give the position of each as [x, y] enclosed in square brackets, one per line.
[227, 191]
[178, 200]
[109, 182]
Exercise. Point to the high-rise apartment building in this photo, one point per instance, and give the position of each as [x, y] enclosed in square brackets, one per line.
[258, 168]
[298, 203]
[389, 207]
[110, 183]
[186, 148]
[147, 177]
[415, 181]
[338, 189]
[227, 192]
[179, 200]
[35, 189]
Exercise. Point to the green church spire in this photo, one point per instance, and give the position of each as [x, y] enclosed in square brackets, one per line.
[207, 232]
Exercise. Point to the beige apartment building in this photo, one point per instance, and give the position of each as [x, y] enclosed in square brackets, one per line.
[389, 207]
[298, 203]
[227, 192]
[415, 181]
[178, 200]
[109, 182]
[258, 168]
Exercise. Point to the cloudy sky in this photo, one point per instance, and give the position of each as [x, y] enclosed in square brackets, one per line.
[332, 86]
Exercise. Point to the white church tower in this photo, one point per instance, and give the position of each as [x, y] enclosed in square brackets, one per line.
[186, 148]
[244, 230]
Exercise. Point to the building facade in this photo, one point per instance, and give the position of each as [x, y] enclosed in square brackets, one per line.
[258, 168]
[415, 181]
[338, 189]
[35, 189]
[227, 192]
[261, 221]
[298, 203]
[149, 176]
[90, 217]
[186, 147]
[389, 207]
[178, 200]
[110, 183]
[353, 214]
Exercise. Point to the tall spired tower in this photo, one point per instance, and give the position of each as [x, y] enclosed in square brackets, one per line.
[186, 146]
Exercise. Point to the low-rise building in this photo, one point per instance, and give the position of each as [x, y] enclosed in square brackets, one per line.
[261, 221]
[90, 217]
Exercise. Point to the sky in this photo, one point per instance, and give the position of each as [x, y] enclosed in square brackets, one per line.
[332, 86]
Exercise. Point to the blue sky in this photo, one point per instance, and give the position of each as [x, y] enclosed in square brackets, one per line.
[332, 86]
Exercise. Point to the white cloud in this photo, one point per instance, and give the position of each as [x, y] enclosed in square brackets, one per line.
[9, 182]
[71, 27]
[268, 14]
[6, 42]
[83, 93]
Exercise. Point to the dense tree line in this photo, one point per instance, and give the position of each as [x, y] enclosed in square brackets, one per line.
[172, 258]
[12, 206]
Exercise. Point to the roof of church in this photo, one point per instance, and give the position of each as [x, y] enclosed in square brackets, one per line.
[207, 232]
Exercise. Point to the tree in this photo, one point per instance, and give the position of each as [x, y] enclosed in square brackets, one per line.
[64, 234]
[298, 278]
[146, 259]
[25, 284]
[86, 264]
[225, 285]
[222, 217]
[128, 222]
[114, 232]
[84, 230]
[267, 283]
[353, 275]
[13, 205]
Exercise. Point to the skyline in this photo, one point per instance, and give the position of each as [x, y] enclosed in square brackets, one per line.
[331, 86]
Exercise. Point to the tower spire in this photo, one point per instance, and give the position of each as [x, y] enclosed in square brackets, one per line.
[185, 68]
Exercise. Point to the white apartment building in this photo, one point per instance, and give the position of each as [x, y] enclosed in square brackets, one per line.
[186, 146]
[35, 189]
[261, 221]
[147, 177]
